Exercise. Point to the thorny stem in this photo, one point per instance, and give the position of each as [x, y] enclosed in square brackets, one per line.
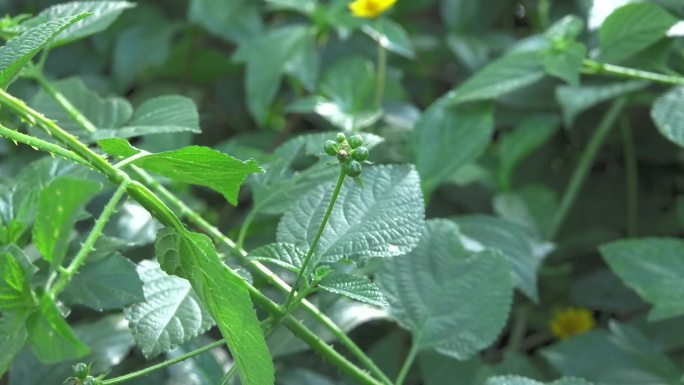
[73, 112]
[39, 144]
[87, 247]
[585, 163]
[317, 238]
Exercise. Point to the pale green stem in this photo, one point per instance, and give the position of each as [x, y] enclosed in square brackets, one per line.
[73, 112]
[125, 162]
[381, 75]
[39, 144]
[408, 363]
[595, 68]
[68, 273]
[584, 164]
[245, 227]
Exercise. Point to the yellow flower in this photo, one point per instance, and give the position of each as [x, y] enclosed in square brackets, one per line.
[571, 322]
[370, 9]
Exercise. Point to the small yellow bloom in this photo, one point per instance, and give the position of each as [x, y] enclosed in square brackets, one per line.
[370, 9]
[571, 322]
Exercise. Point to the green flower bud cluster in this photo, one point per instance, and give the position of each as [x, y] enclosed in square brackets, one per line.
[351, 153]
[82, 376]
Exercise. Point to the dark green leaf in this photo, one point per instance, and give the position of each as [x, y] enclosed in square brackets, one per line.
[668, 115]
[354, 287]
[51, 338]
[202, 369]
[391, 36]
[12, 337]
[237, 20]
[564, 61]
[516, 380]
[109, 339]
[16, 272]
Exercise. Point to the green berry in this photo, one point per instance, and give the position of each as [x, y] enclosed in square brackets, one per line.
[356, 141]
[90, 380]
[330, 147]
[360, 154]
[81, 371]
[340, 138]
[353, 168]
[342, 156]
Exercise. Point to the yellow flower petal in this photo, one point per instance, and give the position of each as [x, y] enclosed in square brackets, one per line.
[571, 322]
[370, 9]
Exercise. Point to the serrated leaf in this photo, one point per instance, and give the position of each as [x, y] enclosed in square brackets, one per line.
[167, 253]
[453, 300]
[654, 268]
[632, 28]
[196, 165]
[383, 219]
[447, 138]
[106, 284]
[17, 52]
[575, 100]
[668, 115]
[16, 271]
[517, 380]
[514, 242]
[171, 314]
[286, 255]
[353, 286]
[12, 337]
[103, 14]
[291, 49]
[391, 36]
[62, 204]
[51, 338]
[504, 75]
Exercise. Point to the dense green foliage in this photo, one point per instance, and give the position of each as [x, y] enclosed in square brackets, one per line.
[466, 192]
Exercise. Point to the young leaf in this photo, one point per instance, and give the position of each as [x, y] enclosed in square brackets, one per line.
[61, 205]
[517, 380]
[446, 138]
[12, 337]
[654, 268]
[170, 315]
[575, 100]
[285, 255]
[383, 219]
[391, 36]
[17, 52]
[16, 271]
[668, 115]
[196, 165]
[106, 284]
[633, 28]
[51, 338]
[354, 287]
[504, 75]
[564, 61]
[451, 299]
[103, 14]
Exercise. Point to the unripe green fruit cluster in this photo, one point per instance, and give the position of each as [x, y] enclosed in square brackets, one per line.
[349, 152]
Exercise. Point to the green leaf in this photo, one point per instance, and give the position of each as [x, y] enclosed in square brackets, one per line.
[285, 255]
[307, 7]
[668, 115]
[624, 356]
[506, 74]
[196, 165]
[161, 115]
[654, 268]
[12, 337]
[517, 380]
[564, 61]
[109, 339]
[236, 20]
[106, 284]
[170, 315]
[354, 287]
[390, 36]
[103, 14]
[447, 138]
[533, 207]
[383, 219]
[575, 100]
[202, 369]
[62, 204]
[527, 137]
[51, 338]
[346, 95]
[17, 52]
[453, 300]
[16, 271]
[633, 28]
[291, 49]
[234, 313]
[567, 28]
[514, 242]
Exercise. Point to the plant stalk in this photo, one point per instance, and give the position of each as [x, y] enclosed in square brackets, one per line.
[39, 144]
[381, 75]
[408, 363]
[592, 67]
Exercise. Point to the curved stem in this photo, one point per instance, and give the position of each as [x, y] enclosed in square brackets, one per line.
[317, 238]
[245, 227]
[89, 244]
[408, 363]
[161, 365]
[73, 112]
[596, 68]
[585, 163]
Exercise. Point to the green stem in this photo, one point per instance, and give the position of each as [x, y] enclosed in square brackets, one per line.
[518, 329]
[89, 244]
[408, 363]
[631, 178]
[245, 227]
[595, 68]
[317, 238]
[39, 144]
[73, 112]
[585, 163]
[161, 365]
[381, 74]
[229, 376]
